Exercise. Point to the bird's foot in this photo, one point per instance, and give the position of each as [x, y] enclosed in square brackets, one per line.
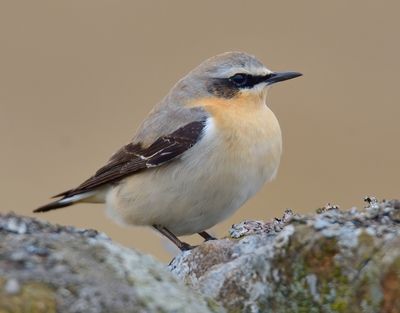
[185, 246]
[206, 236]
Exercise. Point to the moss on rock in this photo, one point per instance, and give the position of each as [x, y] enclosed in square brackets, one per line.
[334, 261]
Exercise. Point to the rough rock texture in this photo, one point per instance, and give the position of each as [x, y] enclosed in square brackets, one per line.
[334, 261]
[49, 268]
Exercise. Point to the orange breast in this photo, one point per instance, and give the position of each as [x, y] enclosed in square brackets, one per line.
[244, 120]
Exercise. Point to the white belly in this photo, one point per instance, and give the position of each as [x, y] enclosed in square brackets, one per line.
[209, 183]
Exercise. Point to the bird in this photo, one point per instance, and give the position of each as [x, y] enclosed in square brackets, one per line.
[206, 148]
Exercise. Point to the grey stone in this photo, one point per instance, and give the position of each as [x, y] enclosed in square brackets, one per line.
[334, 261]
[50, 268]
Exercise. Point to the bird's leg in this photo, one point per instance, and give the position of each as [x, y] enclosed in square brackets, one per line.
[183, 246]
[206, 236]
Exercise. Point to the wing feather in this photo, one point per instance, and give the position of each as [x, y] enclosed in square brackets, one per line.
[133, 157]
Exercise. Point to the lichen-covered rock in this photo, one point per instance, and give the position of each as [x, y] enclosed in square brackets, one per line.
[334, 261]
[49, 268]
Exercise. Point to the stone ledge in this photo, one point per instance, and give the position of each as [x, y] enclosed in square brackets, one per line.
[332, 261]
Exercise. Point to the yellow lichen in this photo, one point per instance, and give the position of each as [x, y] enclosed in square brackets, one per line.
[33, 297]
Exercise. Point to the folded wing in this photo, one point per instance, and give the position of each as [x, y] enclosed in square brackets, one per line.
[133, 157]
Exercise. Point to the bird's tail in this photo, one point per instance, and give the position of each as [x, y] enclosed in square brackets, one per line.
[66, 201]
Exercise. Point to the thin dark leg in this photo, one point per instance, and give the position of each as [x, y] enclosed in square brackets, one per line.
[206, 236]
[183, 246]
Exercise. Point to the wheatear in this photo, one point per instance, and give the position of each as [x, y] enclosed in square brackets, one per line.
[204, 150]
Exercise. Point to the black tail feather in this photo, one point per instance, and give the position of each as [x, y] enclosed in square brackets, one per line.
[58, 204]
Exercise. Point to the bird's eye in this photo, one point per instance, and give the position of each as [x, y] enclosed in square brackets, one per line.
[239, 80]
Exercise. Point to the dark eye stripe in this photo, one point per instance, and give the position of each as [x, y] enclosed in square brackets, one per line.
[250, 80]
[227, 88]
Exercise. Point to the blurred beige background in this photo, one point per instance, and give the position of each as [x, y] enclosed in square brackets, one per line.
[77, 77]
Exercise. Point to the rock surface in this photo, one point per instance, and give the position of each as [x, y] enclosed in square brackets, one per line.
[49, 268]
[333, 261]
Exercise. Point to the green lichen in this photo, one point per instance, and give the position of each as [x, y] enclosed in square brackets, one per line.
[305, 256]
[336, 262]
[213, 305]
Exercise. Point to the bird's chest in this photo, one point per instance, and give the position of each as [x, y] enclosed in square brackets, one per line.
[249, 156]
[239, 152]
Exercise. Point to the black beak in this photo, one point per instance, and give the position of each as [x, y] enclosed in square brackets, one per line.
[281, 76]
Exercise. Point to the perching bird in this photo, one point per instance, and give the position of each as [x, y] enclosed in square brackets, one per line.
[201, 153]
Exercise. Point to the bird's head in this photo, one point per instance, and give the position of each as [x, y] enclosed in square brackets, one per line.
[232, 75]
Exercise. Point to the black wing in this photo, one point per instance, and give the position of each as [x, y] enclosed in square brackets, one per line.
[133, 157]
